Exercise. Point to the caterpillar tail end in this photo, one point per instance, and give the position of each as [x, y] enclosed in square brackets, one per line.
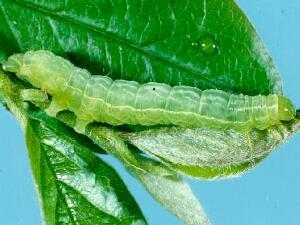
[286, 109]
[14, 63]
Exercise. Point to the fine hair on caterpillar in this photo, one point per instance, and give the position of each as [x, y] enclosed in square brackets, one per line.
[117, 102]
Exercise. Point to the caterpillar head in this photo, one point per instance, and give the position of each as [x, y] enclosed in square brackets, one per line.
[15, 64]
[286, 109]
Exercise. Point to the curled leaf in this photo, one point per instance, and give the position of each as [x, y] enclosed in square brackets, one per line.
[206, 153]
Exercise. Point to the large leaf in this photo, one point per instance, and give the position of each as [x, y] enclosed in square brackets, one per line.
[74, 185]
[207, 44]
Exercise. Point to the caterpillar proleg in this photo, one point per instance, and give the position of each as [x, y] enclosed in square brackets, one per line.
[99, 98]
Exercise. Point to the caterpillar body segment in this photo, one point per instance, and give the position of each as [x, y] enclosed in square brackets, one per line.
[99, 98]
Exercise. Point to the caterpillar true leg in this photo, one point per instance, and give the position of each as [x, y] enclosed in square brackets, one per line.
[34, 95]
[56, 106]
[81, 125]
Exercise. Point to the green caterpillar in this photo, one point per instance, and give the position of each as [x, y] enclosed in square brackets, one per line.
[99, 98]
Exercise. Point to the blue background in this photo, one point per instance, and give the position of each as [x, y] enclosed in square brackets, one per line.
[268, 195]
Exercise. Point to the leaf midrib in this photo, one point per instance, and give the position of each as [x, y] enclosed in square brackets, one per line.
[125, 42]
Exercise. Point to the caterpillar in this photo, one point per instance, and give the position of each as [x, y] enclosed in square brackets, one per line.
[99, 98]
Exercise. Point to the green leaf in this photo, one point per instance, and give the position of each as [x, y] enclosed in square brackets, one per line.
[206, 153]
[74, 185]
[207, 44]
